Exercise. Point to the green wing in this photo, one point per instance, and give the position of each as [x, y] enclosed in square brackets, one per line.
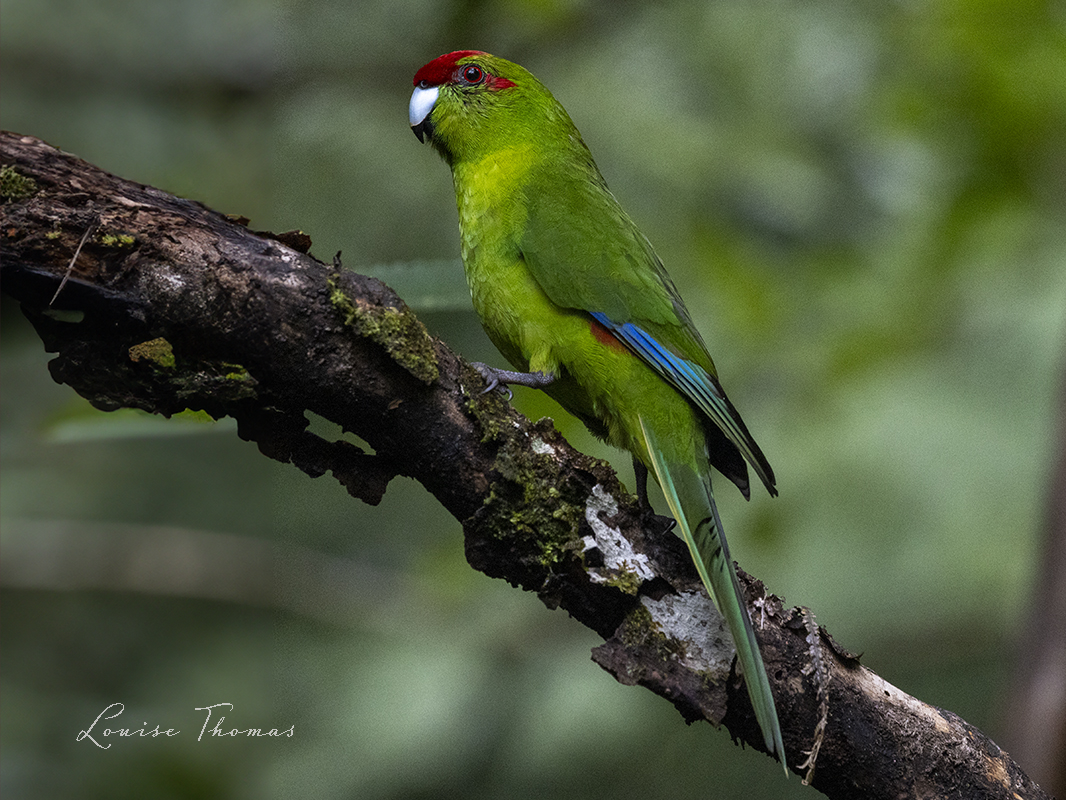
[587, 254]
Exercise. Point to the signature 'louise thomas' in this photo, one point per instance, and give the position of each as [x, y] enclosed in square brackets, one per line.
[116, 709]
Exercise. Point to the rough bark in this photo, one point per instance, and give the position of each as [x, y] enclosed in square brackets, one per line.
[169, 305]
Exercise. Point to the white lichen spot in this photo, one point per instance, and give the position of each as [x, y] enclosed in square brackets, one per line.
[541, 447]
[617, 550]
[691, 618]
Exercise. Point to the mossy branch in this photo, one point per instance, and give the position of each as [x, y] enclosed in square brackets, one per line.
[168, 305]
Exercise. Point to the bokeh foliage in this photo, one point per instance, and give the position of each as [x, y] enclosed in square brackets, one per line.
[864, 206]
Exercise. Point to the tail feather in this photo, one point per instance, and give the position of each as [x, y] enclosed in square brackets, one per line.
[688, 492]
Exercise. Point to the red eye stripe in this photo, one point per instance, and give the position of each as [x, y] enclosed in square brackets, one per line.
[495, 83]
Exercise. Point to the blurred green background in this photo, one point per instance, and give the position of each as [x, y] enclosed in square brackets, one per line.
[863, 204]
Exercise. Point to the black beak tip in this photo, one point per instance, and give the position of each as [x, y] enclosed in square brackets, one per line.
[423, 130]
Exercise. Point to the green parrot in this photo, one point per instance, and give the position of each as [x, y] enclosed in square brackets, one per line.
[576, 300]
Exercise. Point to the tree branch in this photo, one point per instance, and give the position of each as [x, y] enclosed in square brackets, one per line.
[169, 305]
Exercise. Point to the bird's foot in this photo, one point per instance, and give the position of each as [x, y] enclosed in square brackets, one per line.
[502, 379]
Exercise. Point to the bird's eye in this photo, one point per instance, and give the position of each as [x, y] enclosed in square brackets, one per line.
[473, 74]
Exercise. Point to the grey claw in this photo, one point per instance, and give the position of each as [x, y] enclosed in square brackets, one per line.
[494, 384]
[492, 380]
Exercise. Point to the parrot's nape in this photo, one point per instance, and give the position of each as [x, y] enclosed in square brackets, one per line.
[575, 298]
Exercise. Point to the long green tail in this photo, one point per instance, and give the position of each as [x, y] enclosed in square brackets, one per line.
[688, 492]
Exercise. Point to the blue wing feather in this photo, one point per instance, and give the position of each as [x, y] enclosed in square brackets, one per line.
[696, 384]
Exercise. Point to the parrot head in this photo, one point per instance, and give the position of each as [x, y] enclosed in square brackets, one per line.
[468, 103]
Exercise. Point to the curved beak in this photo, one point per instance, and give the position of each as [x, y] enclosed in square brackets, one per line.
[422, 102]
